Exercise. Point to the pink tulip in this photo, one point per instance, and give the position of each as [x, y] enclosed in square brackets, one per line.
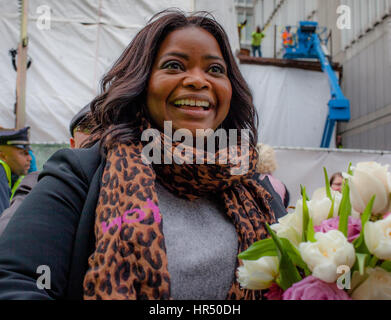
[311, 288]
[354, 227]
[274, 292]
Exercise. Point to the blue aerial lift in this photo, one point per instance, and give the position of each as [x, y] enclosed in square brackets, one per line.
[307, 45]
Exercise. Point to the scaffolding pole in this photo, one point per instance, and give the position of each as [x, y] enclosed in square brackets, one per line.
[20, 106]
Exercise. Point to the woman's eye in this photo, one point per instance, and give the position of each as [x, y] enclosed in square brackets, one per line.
[216, 69]
[172, 65]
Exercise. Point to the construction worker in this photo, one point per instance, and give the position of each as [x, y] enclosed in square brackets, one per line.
[287, 37]
[241, 25]
[257, 37]
[14, 162]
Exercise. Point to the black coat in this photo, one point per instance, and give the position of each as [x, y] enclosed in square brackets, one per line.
[5, 190]
[21, 193]
[54, 226]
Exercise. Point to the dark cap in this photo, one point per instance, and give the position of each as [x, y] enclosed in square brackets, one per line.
[79, 117]
[15, 138]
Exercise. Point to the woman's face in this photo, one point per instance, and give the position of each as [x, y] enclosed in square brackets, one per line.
[337, 184]
[189, 84]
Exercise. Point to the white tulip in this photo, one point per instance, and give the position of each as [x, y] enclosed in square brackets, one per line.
[320, 193]
[319, 210]
[291, 225]
[377, 237]
[376, 287]
[330, 250]
[368, 179]
[287, 230]
[258, 274]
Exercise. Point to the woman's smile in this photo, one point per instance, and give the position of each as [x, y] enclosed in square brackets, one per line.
[196, 106]
[189, 84]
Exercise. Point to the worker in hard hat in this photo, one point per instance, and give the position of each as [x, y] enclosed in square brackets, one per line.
[257, 37]
[287, 37]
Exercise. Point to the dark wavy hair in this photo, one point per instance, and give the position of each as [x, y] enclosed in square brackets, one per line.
[124, 87]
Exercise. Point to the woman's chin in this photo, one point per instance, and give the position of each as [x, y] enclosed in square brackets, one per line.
[194, 130]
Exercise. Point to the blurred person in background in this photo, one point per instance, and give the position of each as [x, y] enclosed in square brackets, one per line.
[287, 37]
[79, 128]
[33, 162]
[267, 164]
[336, 181]
[14, 162]
[257, 37]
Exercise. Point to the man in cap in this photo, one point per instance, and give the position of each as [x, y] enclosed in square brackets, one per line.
[14, 162]
[80, 127]
[79, 130]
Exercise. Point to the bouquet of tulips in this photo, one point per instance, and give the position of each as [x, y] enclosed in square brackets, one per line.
[336, 246]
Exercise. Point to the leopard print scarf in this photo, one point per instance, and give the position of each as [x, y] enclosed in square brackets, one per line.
[130, 260]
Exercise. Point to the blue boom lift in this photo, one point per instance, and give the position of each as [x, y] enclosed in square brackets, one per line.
[309, 46]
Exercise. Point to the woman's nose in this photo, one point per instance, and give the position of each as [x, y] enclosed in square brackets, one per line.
[196, 80]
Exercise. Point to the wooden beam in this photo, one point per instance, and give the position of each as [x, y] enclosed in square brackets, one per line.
[287, 63]
[20, 107]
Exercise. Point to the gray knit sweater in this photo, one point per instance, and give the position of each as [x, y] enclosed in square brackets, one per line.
[201, 247]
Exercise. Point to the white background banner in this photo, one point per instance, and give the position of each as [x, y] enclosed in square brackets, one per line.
[84, 38]
[291, 104]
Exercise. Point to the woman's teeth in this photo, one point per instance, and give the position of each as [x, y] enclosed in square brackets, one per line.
[192, 103]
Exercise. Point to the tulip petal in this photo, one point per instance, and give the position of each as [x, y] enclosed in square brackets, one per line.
[365, 186]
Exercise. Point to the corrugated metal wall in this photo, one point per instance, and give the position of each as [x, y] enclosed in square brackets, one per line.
[365, 53]
[367, 83]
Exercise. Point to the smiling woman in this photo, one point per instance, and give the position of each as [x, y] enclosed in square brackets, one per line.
[111, 226]
[189, 84]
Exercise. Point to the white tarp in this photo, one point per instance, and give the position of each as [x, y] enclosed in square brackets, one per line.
[305, 167]
[291, 104]
[84, 40]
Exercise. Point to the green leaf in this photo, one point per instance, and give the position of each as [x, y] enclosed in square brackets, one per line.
[373, 262]
[327, 181]
[361, 258]
[386, 265]
[359, 243]
[288, 272]
[306, 216]
[295, 255]
[311, 231]
[259, 249]
[349, 169]
[344, 210]
[367, 212]
[331, 212]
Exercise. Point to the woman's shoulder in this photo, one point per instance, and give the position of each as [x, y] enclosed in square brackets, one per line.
[82, 162]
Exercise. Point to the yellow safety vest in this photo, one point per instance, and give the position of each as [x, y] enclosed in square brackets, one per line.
[7, 170]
